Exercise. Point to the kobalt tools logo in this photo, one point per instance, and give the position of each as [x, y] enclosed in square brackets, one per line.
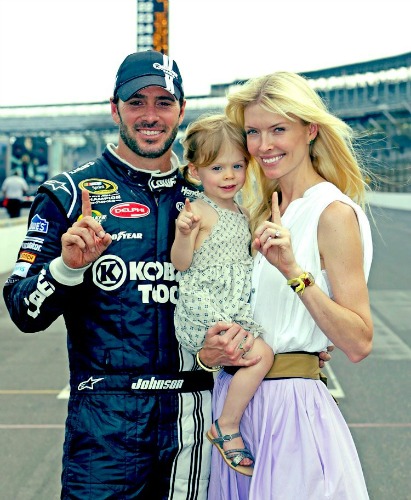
[156, 281]
[109, 272]
[129, 210]
[155, 384]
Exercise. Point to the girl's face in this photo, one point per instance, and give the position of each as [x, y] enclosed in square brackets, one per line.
[280, 146]
[225, 177]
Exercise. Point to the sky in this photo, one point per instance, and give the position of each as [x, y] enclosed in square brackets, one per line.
[68, 51]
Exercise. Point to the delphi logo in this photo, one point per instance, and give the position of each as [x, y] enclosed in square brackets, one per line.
[129, 210]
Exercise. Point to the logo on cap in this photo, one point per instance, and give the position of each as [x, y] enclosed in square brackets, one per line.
[168, 71]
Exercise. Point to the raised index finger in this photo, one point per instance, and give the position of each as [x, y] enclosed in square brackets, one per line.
[85, 203]
[275, 209]
[187, 205]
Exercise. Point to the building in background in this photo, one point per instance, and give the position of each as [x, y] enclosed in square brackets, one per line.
[374, 97]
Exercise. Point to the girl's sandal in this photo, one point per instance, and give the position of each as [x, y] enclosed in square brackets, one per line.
[232, 457]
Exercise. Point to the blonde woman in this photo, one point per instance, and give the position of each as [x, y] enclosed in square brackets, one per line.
[313, 251]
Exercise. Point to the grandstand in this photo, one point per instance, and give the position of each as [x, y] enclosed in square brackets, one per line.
[372, 96]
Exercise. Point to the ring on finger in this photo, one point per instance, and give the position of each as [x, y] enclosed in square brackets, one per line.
[277, 234]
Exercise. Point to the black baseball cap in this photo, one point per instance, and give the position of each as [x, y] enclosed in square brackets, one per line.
[144, 69]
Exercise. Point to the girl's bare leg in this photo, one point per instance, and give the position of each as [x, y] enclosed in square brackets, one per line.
[242, 388]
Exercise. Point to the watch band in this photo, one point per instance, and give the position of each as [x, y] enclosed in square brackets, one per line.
[205, 367]
[300, 283]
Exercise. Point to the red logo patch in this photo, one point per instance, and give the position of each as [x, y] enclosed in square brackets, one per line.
[130, 209]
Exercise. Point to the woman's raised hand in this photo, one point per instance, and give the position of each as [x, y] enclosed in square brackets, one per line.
[274, 241]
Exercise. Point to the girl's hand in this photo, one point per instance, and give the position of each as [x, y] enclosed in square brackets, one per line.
[187, 221]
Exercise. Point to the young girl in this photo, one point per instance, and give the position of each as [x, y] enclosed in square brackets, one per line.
[212, 251]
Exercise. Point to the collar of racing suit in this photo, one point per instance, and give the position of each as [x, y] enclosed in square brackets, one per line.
[156, 180]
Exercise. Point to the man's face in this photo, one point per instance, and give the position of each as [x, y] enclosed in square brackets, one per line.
[148, 121]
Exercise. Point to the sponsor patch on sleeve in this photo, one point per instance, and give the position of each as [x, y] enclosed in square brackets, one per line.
[27, 257]
[21, 269]
[39, 225]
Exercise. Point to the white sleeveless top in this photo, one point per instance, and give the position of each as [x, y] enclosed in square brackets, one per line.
[287, 323]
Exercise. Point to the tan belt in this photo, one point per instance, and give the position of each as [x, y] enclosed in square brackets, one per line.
[292, 365]
[295, 365]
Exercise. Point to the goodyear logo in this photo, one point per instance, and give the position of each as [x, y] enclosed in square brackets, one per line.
[98, 186]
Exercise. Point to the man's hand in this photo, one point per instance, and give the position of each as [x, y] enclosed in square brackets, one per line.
[225, 344]
[325, 355]
[86, 240]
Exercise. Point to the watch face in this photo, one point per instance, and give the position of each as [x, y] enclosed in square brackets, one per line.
[310, 279]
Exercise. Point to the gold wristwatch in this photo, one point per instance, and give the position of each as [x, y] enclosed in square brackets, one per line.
[299, 284]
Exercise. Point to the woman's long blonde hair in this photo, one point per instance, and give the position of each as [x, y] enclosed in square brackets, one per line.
[332, 153]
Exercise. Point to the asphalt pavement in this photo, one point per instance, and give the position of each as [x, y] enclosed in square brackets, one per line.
[374, 395]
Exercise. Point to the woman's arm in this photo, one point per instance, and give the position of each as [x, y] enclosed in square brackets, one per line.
[345, 319]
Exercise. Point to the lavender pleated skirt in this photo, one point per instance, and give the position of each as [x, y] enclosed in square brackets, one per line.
[301, 442]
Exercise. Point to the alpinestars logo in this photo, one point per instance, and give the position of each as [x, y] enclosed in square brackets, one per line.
[55, 185]
[89, 384]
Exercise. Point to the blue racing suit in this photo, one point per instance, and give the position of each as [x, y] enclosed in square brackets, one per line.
[139, 406]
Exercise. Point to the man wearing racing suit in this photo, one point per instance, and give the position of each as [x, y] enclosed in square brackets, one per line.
[97, 252]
